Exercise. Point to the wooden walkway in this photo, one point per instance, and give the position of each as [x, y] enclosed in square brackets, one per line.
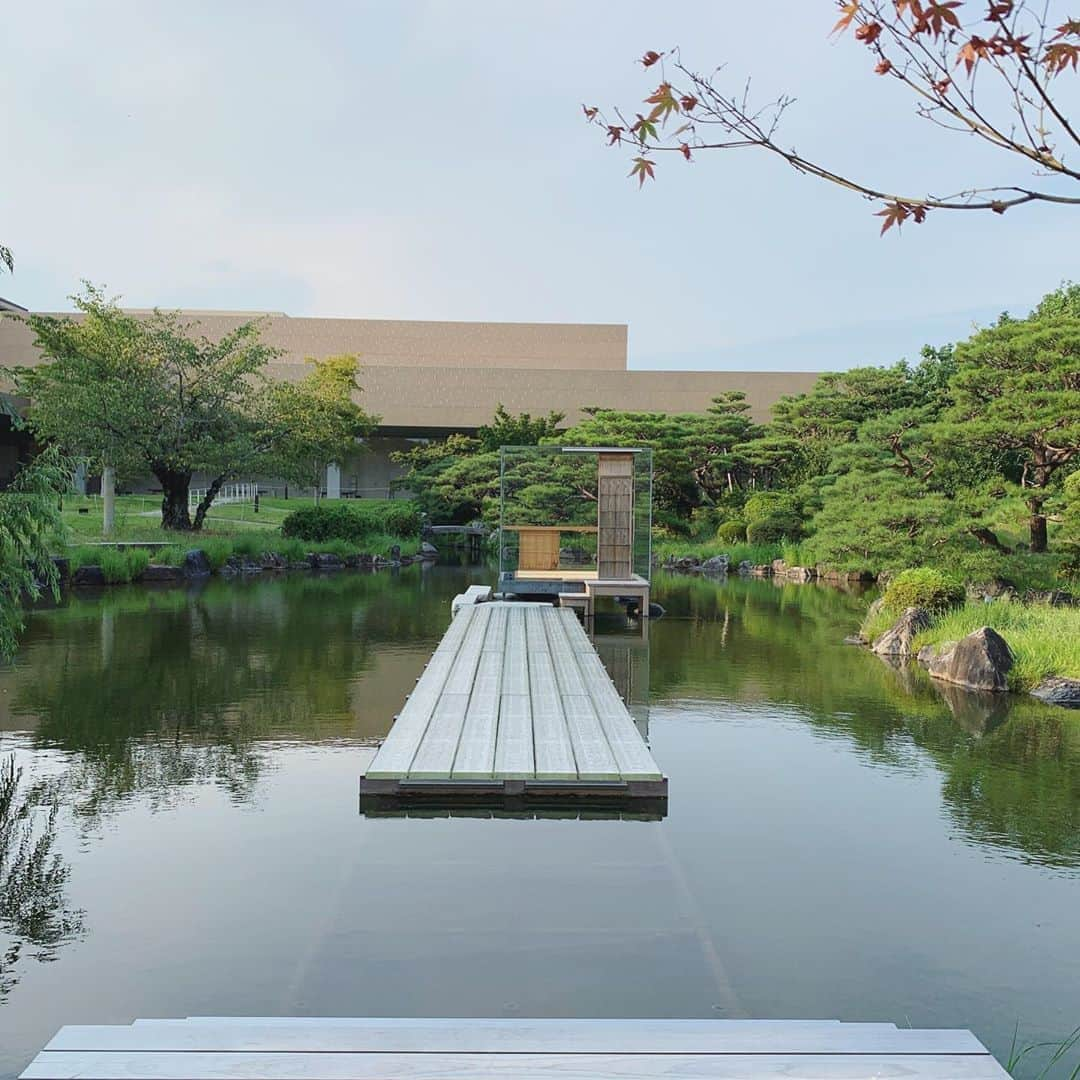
[302, 1048]
[515, 702]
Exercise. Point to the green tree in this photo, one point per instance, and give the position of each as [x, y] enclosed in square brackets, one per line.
[146, 396]
[29, 519]
[522, 430]
[1016, 392]
[317, 420]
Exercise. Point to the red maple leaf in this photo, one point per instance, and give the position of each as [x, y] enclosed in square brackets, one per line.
[590, 111]
[684, 149]
[895, 213]
[884, 66]
[650, 58]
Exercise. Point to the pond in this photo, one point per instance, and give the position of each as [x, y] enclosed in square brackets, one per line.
[841, 841]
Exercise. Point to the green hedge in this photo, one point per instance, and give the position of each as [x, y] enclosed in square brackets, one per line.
[923, 587]
[353, 521]
[774, 530]
[732, 532]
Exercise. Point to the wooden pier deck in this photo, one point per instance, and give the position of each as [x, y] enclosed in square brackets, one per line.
[338, 1048]
[515, 702]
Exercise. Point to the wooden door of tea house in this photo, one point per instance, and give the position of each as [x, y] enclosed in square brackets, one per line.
[615, 524]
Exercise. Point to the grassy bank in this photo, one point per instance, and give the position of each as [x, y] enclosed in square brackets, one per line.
[138, 517]
[1044, 640]
[758, 554]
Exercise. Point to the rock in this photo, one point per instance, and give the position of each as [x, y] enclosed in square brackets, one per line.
[897, 640]
[931, 652]
[325, 560]
[300, 564]
[1059, 691]
[978, 712]
[395, 553]
[761, 570]
[195, 564]
[746, 568]
[885, 576]
[428, 551]
[1052, 597]
[990, 590]
[981, 661]
[88, 575]
[63, 567]
[157, 573]
[272, 561]
[656, 611]
[718, 564]
[801, 573]
[779, 566]
[855, 639]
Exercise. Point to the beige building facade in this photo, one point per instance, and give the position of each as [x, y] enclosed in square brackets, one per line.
[428, 379]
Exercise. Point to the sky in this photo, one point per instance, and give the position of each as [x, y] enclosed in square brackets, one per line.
[428, 159]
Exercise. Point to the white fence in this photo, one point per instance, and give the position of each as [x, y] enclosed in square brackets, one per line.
[229, 493]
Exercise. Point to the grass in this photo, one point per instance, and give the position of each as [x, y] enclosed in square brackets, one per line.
[1044, 640]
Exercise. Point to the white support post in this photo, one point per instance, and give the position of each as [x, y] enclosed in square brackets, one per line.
[333, 481]
[108, 500]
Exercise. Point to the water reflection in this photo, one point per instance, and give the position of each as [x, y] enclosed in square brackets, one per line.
[1010, 765]
[842, 838]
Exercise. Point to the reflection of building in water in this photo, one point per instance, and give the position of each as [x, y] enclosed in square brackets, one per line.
[626, 657]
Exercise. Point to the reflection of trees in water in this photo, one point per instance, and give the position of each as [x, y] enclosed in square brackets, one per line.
[1011, 765]
[34, 917]
[156, 692]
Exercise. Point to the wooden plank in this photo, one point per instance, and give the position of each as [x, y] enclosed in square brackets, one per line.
[150, 1065]
[535, 634]
[567, 673]
[513, 743]
[515, 661]
[576, 637]
[631, 754]
[551, 739]
[396, 754]
[594, 758]
[434, 758]
[476, 749]
[460, 679]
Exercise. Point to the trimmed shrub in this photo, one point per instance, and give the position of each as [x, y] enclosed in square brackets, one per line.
[923, 587]
[345, 521]
[731, 532]
[774, 530]
[764, 505]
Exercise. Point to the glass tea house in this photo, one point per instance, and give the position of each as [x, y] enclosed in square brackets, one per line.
[575, 522]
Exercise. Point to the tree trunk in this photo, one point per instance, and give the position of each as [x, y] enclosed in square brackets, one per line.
[108, 500]
[1037, 525]
[174, 499]
[204, 506]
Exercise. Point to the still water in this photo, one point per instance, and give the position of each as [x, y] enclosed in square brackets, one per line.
[841, 840]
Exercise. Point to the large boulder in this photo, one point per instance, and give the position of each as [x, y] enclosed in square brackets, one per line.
[981, 661]
[801, 573]
[718, 564]
[157, 573]
[428, 551]
[196, 564]
[88, 575]
[899, 639]
[1059, 691]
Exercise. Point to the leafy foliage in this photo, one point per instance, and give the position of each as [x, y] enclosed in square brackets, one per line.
[29, 520]
[923, 586]
[317, 420]
[352, 522]
[733, 531]
[147, 395]
[34, 915]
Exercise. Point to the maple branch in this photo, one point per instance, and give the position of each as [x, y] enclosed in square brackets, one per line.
[932, 40]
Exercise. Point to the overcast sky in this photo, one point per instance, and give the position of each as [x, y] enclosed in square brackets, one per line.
[429, 160]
